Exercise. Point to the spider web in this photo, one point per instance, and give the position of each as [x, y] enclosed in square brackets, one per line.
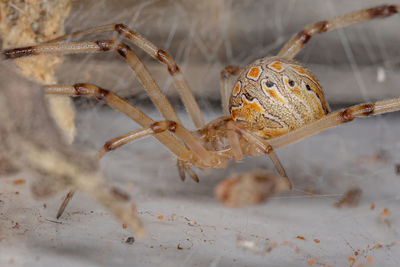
[184, 223]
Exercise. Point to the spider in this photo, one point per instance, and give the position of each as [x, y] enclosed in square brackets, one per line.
[274, 101]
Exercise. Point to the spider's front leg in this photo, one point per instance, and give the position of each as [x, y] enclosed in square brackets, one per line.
[162, 56]
[291, 48]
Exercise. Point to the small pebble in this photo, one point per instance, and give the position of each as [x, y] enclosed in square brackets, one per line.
[130, 240]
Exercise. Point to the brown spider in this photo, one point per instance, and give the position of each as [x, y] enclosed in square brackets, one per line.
[274, 102]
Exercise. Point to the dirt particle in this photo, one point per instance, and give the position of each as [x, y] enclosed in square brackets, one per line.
[249, 188]
[19, 181]
[130, 240]
[397, 169]
[120, 194]
[372, 206]
[311, 262]
[191, 222]
[160, 217]
[350, 199]
[124, 226]
[317, 241]
[301, 237]
[385, 213]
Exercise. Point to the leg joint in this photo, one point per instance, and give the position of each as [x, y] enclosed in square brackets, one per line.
[382, 11]
[161, 126]
[357, 111]
[90, 90]
[164, 57]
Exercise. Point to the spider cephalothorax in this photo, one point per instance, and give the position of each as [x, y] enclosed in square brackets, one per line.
[275, 95]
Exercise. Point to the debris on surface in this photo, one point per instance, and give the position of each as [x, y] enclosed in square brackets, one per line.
[385, 213]
[384, 217]
[350, 199]
[256, 246]
[191, 222]
[249, 188]
[185, 244]
[380, 157]
[120, 194]
[19, 181]
[130, 240]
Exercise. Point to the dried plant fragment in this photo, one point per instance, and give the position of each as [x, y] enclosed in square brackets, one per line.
[30, 141]
[249, 188]
[350, 199]
[32, 22]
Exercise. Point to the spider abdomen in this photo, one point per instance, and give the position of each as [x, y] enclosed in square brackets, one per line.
[275, 95]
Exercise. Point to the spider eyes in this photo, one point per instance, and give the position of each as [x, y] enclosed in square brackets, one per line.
[269, 84]
[291, 83]
[308, 87]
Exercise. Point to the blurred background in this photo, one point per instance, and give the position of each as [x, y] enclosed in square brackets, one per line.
[185, 224]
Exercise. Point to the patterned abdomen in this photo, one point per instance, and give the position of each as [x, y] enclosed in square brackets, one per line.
[273, 96]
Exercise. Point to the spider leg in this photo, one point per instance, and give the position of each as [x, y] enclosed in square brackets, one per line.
[124, 107]
[158, 98]
[234, 141]
[192, 174]
[334, 119]
[119, 104]
[155, 93]
[264, 146]
[292, 47]
[162, 56]
[204, 158]
[64, 204]
[138, 134]
[181, 169]
[184, 166]
[226, 86]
